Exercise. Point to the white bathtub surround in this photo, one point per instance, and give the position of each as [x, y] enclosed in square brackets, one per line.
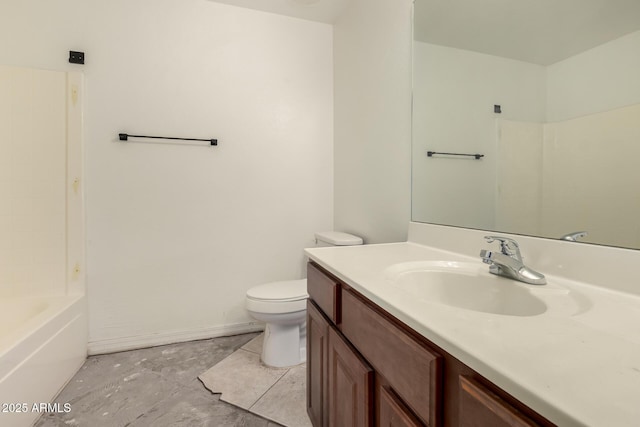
[43, 310]
[574, 364]
[39, 354]
[41, 204]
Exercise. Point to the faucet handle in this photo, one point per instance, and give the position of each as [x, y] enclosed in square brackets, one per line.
[507, 246]
[573, 237]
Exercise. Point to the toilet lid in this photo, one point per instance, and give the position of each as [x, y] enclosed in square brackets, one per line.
[290, 290]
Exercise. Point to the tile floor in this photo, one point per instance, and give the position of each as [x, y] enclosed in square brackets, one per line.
[277, 394]
[152, 387]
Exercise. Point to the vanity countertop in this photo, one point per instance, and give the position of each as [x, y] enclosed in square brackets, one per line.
[578, 366]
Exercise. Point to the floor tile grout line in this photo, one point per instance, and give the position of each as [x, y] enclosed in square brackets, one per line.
[259, 363]
[197, 378]
[290, 374]
[251, 351]
[262, 397]
[267, 391]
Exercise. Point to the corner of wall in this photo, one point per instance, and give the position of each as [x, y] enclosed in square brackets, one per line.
[372, 119]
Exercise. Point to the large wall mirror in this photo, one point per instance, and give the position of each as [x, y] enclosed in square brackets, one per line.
[538, 104]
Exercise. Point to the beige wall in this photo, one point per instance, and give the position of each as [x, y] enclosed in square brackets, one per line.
[177, 233]
[372, 95]
[600, 79]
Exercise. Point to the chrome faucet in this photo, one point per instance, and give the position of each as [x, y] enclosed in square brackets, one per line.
[508, 262]
[573, 237]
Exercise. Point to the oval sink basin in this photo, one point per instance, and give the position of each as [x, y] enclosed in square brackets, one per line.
[465, 285]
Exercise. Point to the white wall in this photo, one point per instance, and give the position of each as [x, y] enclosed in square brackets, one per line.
[372, 90]
[453, 112]
[600, 79]
[177, 233]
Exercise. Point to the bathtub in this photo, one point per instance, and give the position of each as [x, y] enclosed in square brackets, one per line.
[43, 343]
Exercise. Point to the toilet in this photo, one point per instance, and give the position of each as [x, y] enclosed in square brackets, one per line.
[282, 306]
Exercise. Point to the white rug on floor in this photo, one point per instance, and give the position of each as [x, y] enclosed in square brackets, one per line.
[278, 394]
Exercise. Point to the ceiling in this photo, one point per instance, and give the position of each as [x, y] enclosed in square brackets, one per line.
[312, 10]
[537, 31]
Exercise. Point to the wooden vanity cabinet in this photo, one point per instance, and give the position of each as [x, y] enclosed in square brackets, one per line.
[480, 406]
[324, 290]
[317, 374]
[339, 380]
[366, 368]
[412, 370]
[349, 385]
[362, 370]
[390, 410]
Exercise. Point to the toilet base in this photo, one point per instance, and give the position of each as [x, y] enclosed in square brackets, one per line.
[284, 345]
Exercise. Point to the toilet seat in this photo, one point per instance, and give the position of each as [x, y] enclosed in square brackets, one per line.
[288, 290]
[278, 297]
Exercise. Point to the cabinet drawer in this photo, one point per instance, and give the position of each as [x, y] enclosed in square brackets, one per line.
[481, 407]
[324, 291]
[413, 371]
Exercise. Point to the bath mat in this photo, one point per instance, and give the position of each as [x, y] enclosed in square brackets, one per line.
[277, 394]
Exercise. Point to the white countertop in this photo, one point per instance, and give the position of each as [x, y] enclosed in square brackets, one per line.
[575, 366]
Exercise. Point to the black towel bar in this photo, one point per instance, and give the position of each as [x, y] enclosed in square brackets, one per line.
[125, 137]
[477, 156]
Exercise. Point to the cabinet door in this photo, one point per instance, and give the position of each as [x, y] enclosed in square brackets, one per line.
[413, 370]
[317, 337]
[392, 412]
[350, 385]
[479, 407]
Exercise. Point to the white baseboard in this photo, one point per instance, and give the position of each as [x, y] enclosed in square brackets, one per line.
[113, 345]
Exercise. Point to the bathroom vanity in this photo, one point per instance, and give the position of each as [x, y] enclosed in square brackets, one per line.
[365, 367]
[383, 351]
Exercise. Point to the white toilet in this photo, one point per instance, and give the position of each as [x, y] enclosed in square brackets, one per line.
[283, 307]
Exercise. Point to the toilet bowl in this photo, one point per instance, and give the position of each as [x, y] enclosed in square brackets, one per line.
[282, 306]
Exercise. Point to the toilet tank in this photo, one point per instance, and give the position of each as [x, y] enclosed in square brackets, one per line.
[336, 238]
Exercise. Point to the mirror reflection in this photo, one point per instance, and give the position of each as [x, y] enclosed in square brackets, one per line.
[544, 98]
